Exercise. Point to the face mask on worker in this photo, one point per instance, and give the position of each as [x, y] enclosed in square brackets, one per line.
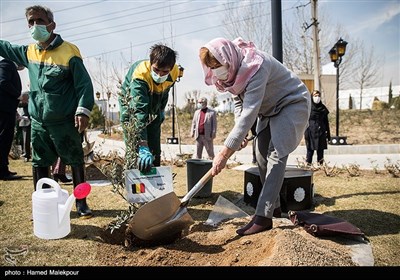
[157, 78]
[316, 99]
[221, 72]
[39, 33]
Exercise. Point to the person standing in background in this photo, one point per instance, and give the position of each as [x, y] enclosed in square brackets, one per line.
[58, 172]
[61, 98]
[204, 129]
[25, 125]
[10, 90]
[318, 132]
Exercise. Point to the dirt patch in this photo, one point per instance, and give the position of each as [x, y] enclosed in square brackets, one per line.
[94, 173]
[284, 245]
[203, 245]
[369, 202]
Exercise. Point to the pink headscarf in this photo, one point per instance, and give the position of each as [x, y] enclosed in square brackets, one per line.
[242, 59]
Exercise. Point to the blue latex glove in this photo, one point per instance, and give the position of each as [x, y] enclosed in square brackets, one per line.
[145, 159]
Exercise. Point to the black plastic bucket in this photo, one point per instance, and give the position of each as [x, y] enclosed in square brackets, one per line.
[196, 169]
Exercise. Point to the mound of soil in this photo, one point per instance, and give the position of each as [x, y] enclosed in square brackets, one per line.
[284, 245]
[204, 245]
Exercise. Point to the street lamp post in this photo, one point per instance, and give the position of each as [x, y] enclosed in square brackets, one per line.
[336, 54]
[173, 139]
[108, 127]
[112, 115]
[102, 112]
[111, 108]
[98, 95]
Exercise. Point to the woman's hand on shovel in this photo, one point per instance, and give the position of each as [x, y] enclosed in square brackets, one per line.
[220, 160]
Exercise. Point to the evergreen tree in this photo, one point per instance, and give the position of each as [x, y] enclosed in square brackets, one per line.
[96, 117]
[390, 94]
[350, 102]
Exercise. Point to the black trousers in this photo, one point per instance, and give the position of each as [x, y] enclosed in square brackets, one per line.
[320, 155]
[7, 130]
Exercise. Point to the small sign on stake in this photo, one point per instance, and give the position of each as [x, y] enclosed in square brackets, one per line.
[144, 187]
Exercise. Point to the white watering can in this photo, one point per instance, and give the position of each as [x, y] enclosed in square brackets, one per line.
[51, 208]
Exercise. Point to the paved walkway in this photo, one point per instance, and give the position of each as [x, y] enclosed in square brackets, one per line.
[366, 156]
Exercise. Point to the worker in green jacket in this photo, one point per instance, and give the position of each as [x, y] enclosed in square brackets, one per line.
[61, 98]
[148, 83]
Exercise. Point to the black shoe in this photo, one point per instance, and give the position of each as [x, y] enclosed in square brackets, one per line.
[83, 209]
[12, 173]
[62, 178]
[10, 177]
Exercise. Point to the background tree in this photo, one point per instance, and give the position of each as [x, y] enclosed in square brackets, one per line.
[253, 22]
[367, 66]
[350, 102]
[104, 78]
[249, 20]
[96, 117]
[213, 100]
[191, 98]
[390, 94]
[396, 102]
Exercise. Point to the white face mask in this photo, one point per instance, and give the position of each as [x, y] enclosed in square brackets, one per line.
[40, 33]
[201, 105]
[221, 72]
[157, 78]
[316, 99]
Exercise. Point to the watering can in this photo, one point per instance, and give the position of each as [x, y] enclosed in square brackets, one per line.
[51, 208]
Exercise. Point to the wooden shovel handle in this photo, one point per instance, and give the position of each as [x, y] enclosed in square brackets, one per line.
[197, 187]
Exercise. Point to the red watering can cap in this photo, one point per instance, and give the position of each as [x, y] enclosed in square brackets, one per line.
[82, 190]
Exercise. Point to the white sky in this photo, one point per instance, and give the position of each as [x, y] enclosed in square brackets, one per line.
[113, 33]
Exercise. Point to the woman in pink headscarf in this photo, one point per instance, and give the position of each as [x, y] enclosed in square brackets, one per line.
[265, 89]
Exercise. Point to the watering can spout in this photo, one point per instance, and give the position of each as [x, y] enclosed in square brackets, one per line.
[65, 209]
[80, 191]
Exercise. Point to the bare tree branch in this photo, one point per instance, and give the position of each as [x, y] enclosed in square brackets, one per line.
[367, 70]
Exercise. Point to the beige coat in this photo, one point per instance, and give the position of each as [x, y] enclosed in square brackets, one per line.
[210, 124]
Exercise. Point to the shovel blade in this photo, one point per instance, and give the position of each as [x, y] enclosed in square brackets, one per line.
[160, 218]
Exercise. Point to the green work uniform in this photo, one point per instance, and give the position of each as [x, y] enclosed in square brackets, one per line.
[148, 101]
[60, 89]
